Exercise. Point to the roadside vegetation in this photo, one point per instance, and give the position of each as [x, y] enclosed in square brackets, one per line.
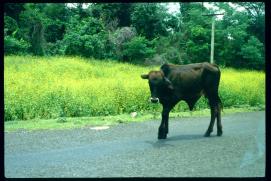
[80, 63]
[48, 88]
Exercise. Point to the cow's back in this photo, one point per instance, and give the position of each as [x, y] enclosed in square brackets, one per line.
[190, 79]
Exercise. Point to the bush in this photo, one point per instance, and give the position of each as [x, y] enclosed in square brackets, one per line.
[155, 60]
[56, 48]
[86, 38]
[15, 46]
[10, 25]
[117, 40]
[173, 55]
[137, 49]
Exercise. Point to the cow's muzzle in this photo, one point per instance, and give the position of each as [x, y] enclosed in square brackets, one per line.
[154, 100]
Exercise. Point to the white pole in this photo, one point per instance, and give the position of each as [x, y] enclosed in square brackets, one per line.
[212, 40]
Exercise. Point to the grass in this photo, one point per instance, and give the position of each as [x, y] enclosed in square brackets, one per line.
[49, 88]
[81, 122]
[75, 87]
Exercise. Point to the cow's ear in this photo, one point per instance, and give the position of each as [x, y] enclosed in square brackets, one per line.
[169, 83]
[145, 76]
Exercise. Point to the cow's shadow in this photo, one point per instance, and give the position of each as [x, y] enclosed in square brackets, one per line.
[176, 138]
[185, 137]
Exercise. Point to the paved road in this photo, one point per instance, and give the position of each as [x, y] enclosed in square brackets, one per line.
[132, 150]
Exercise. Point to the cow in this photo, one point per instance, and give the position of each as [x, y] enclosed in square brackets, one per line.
[173, 83]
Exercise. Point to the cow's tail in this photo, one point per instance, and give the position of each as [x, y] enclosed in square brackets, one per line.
[218, 98]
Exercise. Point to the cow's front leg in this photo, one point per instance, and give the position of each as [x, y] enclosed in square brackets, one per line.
[163, 128]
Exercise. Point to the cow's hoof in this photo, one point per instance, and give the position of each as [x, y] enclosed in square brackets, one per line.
[207, 134]
[162, 136]
[219, 133]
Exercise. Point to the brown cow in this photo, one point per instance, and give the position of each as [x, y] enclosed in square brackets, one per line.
[173, 83]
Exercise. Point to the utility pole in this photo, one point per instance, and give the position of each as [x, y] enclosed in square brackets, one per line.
[212, 35]
[212, 40]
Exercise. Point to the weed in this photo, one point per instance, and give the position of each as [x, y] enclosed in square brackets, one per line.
[55, 87]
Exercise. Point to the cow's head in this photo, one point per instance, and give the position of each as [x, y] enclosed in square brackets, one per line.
[158, 83]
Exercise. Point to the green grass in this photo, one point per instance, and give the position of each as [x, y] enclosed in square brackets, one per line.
[82, 122]
[53, 87]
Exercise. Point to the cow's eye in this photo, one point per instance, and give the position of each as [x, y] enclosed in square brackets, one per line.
[154, 81]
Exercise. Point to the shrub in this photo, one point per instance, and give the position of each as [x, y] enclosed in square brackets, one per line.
[118, 38]
[15, 46]
[155, 60]
[86, 38]
[10, 25]
[173, 55]
[55, 48]
[138, 49]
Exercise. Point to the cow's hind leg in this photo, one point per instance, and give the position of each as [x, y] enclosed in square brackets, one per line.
[211, 83]
[211, 125]
[219, 125]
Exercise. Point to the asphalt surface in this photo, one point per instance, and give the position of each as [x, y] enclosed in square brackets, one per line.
[133, 150]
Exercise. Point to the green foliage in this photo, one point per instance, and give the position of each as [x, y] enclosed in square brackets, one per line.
[13, 10]
[197, 53]
[15, 46]
[106, 30]
[255, 12]
[119, 12]
[10, 25]
[117, 40]
[138, 49]
[252, 52]
[56, 48]
[149, 19]
[232, 37]
[35, 21]
[172, 55]
[86, 38]
[168, 50]
[75, 87]
[37, 39]
[58, 17]
[194, 41]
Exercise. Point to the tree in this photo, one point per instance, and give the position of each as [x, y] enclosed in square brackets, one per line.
[58, 18]
[13, 44]
[255, 12]
[135, 31]
[113, 12]
[13, 10]
[194, 33]
[252, 53]
[235, 37]
[150, 20]
[33, 22]
[118, 39]
[10, 25]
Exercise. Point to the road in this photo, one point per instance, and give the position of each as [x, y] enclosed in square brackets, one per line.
[133, 150]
